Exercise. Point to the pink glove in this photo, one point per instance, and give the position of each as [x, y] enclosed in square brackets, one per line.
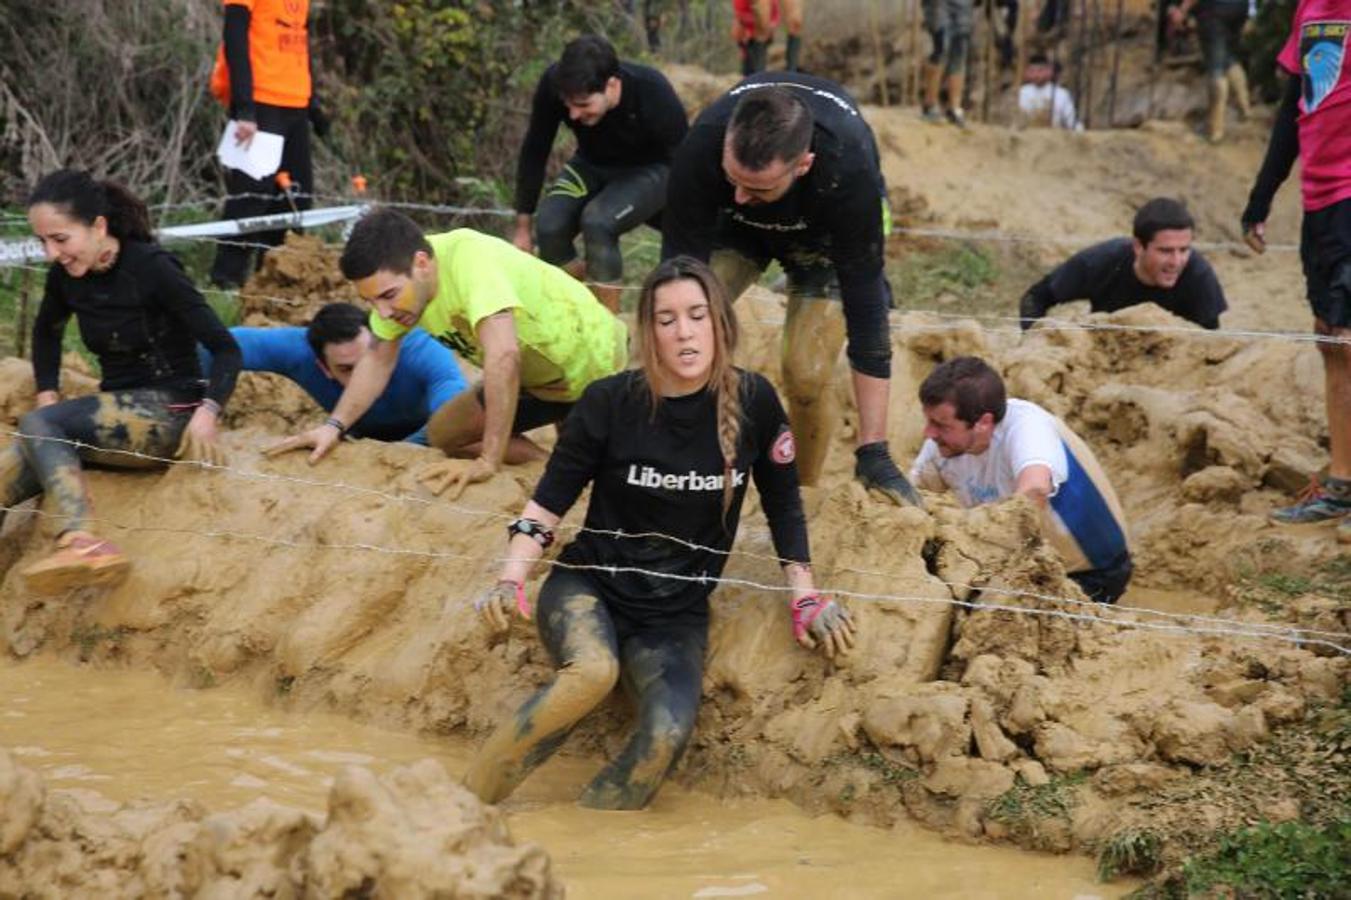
[494, 604]
[816, 619]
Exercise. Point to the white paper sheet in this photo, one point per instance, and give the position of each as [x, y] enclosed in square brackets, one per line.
[259, 159]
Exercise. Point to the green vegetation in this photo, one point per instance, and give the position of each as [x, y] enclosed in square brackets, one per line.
[1023, 802]
[1287, 860]
[951, 273]
[1132, 851]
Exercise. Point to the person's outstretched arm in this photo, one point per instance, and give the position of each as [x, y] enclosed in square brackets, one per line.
[369, 380]
[1282, 151]
[546, 112]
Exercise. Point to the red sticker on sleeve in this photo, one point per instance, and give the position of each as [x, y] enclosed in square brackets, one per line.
[784, 450]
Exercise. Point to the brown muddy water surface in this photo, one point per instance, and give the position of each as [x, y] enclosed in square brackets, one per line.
[121, 735]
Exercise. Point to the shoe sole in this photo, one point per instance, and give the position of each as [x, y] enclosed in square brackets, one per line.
[67, 577]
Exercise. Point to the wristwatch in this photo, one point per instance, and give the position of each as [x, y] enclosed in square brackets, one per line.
[542, 534]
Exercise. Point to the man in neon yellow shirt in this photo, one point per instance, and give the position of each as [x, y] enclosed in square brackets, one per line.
[539, 335]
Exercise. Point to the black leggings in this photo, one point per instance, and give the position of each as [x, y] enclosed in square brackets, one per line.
[661, 668]
[602, 202]
[147, 421]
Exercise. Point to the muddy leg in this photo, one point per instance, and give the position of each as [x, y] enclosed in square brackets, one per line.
[17, 481]
[663, 669]
[735, 271]
[812, 338]
[146, 422]
[578, 631]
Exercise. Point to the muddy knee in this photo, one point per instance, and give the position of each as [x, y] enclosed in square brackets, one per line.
[589, 679]
[600, 234]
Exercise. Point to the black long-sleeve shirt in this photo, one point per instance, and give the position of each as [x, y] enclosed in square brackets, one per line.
[236, 40]
[142, 318]
[1104, 274]
[645, 127]
[664, 475]
[1282, 151]
[834, 211]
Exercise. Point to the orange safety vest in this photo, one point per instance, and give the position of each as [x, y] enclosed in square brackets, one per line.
[279, 53]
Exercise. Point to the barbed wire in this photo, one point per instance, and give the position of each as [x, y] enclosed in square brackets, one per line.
[1101, 615]
[1253, 629]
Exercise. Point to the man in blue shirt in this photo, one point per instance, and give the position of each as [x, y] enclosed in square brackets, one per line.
[321, 357]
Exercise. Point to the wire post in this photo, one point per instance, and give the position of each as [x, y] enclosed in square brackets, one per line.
[1116, 64]
[877, 51]
[21, 325]
[913, 70]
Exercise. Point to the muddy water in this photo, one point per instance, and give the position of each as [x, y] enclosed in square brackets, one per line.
[128, 734]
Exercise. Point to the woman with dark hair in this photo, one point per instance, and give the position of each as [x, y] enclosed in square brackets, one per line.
[667, 449]
[141, 316]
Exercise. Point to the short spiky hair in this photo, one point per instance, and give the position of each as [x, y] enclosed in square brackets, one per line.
[335, 323]
[1160, 214]
[768, 124]
[587, 64]
[383, 239]
[970, 385]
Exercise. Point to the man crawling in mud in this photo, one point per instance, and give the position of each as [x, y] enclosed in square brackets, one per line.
[667, 449]
[783, 167]
[1155, 265]
[539, 335]
[321, 357]
[985, 447]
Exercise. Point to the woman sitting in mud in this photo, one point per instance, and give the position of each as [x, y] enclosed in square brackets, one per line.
[141, 316]
[667, 448]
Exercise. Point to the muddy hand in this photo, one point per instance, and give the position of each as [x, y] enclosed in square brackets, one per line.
[496, 603]
[1255, 236]
[455, 474]
[323, 439]
[877, 471]
[195, 448]
[818, 620]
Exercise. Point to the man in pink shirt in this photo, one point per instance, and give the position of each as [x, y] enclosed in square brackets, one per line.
[1314, 123]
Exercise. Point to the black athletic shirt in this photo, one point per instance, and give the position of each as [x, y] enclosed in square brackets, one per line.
[1104, 274]
[834, 211]
[646, 127]
[143, 319]
[664, 475]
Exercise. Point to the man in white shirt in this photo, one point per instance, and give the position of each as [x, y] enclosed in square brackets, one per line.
[1041, 101]
[985, 447]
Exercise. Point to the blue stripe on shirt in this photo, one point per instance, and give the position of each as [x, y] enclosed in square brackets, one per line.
[1083, 509]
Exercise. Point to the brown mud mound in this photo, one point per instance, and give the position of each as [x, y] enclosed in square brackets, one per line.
[347, 586]
[294, 281]
[1201, 436]
[413, 833]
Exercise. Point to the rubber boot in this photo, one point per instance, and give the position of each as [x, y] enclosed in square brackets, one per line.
[793, 54]
[756, 51]
[1219, 98]
[933, 79]
[956, 84]
[1238, 88]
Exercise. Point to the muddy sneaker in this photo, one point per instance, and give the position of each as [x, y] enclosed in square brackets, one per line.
[80, 560]
[957, 117]
[933, 115]
[1324, 499]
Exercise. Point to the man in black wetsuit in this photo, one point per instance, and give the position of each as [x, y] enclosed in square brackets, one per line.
[1156, 265]
[628, 121]
[783, 167]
